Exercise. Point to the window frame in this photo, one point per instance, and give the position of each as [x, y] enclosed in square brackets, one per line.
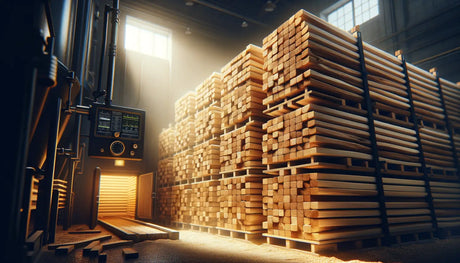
[339, 4]
[154, 29]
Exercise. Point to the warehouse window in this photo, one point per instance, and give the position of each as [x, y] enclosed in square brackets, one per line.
[346, 14]
[147, 38]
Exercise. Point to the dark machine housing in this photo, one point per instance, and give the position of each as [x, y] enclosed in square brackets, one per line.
[116, 132]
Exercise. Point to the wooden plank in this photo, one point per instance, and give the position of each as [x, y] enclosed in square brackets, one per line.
[80, 243]
[64, 250]
[129, 253]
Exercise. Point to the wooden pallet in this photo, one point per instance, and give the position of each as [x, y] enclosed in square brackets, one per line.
[208, 93]
[185, 106]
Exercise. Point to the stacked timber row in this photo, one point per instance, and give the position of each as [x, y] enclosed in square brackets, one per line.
[181, 203]
[166, 144]
[205, 205]
[164, 202]
[429, 109]
[208, 121]
[241, 165]
[406, 207]
[185, 109]
[317, 143]
[165, 172]
[175, 165]
[346, 140]
[446, 189]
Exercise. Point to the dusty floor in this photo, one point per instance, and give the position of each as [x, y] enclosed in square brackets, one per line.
[195, 246]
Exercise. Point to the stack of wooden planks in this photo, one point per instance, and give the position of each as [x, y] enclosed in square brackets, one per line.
[206, 159]
[166, 143]
[205, 205]
[185, 106]
[208, 128]
[185, 134]
[181, 203]
[240, 147]
[429, 109]
[321, 206]
[315, 97]
[404, 188]
[209, 92]
[164, 202]
[446, 190]
[165, 172]
[208, 124]
[451, 96]
[240, 200]
[183, 166]
[242, 93]
[318, 143]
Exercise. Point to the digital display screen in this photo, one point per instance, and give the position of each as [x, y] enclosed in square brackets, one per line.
[109, 122]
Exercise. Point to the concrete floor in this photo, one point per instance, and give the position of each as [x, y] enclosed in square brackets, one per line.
[194, 246]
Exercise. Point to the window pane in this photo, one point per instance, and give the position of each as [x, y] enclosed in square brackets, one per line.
[365, 10]
[342, 17]
[147, 38]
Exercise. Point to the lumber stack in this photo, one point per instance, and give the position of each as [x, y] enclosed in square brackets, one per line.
[208, 128]
[240, 146]
[321, 206]
[242, 93]
[205, 205]
[451, 96]
[183, 166]
[242, 107]
[164, 201]
[206, 159]
[185, 134]
[314, 95]
[435, 141]
[240, 200]
[60, 186]
[406, 204]
[446, 201]
[208, 123]
[185, 106]
[209, 92]
[316, 98]
[181, 203]
[394, 127]
[293, 142]
[166, 142]
[166, 172]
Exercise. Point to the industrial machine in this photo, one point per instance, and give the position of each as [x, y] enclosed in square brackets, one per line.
[116, 132]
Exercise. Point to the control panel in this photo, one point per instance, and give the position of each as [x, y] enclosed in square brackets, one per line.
[116, 132]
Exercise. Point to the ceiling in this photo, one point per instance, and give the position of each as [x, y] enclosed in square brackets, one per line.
[225, 17]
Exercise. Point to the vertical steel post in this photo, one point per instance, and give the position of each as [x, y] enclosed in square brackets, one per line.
[373, 139]
[45, 189]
